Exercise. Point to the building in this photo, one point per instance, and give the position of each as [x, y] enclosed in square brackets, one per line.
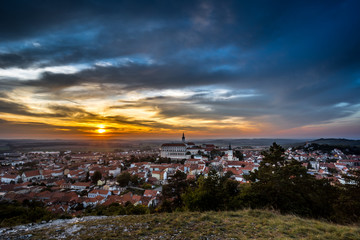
[230, 154]
[176, 151]
[80, 185]
[114, 171]
[99, 192]
[32, 175]
[9, 178]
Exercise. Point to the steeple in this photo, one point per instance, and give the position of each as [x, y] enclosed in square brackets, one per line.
[230, 153]
[183, 138]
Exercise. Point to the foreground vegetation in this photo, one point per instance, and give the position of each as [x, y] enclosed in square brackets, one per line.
[21, 213]
[244, 224]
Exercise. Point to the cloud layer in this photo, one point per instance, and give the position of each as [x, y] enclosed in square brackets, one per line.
[156, 68]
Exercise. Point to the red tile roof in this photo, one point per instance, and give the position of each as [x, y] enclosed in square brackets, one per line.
[173, 145]
[151, 193]
[32, 173]
[10, 176]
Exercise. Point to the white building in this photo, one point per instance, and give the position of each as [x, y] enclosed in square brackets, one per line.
[99, 192]
[115, 171]
[8, 178]
[32, 175]
[175, 151]
[80, 185]
[230, 154]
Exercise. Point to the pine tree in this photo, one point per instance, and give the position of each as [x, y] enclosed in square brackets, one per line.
[285, 185]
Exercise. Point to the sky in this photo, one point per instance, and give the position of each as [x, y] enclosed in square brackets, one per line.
[155, 69]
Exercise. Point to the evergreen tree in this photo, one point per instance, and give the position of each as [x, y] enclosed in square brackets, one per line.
[285, 185]
[347, 206]
[211, 193]
[124, 179]
[239, 155]
[96, 177]
[87, 178]
[172, 191]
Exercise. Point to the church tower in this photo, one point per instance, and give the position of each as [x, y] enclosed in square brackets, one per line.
[183, 138]
[230, 154]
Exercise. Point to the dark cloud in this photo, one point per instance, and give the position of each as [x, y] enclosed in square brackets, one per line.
[59, 111]
[22, 18]
[10, 60]
[13, 107]
[53, 82]
[133, 76]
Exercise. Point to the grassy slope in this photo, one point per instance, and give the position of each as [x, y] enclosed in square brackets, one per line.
[245, 224]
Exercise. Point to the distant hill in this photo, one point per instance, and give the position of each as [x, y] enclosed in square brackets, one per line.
[326, 145]
[326, 141]
[337, 142]
[245, 224]
[254, 142]
[125, 145]
[75, 145]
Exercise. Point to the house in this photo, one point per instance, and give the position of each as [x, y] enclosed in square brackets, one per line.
[151, 193]
[93, 201]
[112, 199]
[32, 175]
[57, 173]
[235, 164]
[8, 178]
[99, 192]
[235, 171]
[129, 197]
[63, 197]
[63, 184]
[80, 185]
[76, 174]
[114, 171]
[350, 163]
[247, 169]
[159, 175]
[52, 173]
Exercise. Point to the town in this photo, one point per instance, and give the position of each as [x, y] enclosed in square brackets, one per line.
[69, 182]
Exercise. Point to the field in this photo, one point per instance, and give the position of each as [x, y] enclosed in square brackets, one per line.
[246, 224]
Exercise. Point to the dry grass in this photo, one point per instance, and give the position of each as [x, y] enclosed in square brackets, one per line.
[246, 224]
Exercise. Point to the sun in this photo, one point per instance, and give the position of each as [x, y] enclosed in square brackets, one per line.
[101, 128]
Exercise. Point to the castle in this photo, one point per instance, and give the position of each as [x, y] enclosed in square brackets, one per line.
[184, 150]
[175, 151]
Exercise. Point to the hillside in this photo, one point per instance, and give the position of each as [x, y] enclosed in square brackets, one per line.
[244, 224]
[337, 142]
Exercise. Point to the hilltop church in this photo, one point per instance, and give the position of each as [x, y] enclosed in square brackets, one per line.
[184, 150]
[175, 151]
